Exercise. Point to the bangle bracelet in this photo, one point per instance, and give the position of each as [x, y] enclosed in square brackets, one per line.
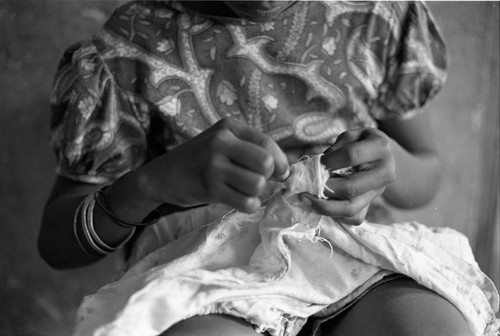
[78, 232]
[103, 203]
[94, 237]
[85, 234]
[87, 218]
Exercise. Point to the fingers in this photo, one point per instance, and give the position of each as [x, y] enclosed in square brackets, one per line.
[233, 185]
[356, 184]
[244, 181]
[350, 211]
[345, 138]
[358, 219]
[280, 167]
[370, 152]
[239, 201]
[251, 157]
[357, 147]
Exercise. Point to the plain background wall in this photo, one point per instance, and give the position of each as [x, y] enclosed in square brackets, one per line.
[36, 300]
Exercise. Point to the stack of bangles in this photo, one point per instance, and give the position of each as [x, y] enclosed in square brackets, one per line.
[83, 226]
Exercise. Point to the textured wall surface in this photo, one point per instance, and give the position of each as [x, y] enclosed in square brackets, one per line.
[36, 300]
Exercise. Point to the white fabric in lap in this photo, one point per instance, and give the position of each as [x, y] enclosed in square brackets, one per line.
[280, 265]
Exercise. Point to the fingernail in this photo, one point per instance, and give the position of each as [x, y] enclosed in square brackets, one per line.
[330, 149]
[285, 175]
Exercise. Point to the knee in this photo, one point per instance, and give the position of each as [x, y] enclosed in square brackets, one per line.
[400, 308]
[413, 310]
[211, 325]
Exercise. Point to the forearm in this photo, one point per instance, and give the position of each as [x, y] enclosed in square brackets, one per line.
[57, 242]
[417, 178]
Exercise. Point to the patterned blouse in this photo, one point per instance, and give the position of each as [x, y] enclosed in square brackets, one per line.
[158, 74]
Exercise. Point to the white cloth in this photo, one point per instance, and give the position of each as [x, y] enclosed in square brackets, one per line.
[282, 264]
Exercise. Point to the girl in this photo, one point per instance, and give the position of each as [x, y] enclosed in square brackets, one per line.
[186, 109]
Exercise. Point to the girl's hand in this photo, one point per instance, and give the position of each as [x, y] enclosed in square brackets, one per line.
[370, 152]
[228, 163]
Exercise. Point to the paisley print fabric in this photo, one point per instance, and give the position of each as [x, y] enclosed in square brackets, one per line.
[159, 74]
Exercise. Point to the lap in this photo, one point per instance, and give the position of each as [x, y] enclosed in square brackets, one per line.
[212, 325]
[399, 307]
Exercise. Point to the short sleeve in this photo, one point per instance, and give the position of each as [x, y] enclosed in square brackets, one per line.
[416, 66]
[95, 133]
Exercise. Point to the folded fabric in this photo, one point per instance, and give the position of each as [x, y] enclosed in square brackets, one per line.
[283, 264]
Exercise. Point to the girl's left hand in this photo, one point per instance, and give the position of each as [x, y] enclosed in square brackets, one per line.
[370, 152]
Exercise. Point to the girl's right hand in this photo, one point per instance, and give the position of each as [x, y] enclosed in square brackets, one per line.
[228, 163]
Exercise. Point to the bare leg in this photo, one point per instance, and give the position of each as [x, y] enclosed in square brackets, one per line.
[212, 325]
[399, 308]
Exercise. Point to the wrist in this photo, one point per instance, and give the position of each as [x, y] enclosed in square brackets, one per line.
[128, 198]
[124, 199]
